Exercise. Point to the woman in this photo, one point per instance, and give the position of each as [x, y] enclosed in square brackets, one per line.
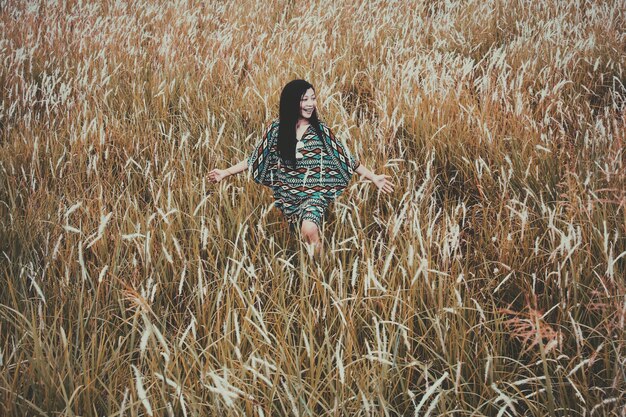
[303, 163]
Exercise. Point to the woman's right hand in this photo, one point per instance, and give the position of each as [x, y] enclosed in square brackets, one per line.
[216, 175]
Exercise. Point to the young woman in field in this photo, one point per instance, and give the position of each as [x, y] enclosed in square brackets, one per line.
[303, 163]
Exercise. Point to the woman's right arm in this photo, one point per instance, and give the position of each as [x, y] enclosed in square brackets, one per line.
[262, 162]
[216, 175]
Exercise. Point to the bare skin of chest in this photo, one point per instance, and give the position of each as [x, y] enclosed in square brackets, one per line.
[300, 131]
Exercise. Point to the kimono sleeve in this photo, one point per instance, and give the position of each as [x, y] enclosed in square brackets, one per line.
[263, 162]
[352, 160]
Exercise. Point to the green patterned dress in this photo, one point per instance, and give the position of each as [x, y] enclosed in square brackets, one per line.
[320, 175]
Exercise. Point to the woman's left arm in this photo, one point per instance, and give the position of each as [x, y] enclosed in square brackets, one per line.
[381, 181]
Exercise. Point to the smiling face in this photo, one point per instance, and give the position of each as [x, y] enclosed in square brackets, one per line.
[308, 104]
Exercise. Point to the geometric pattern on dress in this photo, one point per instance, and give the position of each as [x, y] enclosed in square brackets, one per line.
[319, 176]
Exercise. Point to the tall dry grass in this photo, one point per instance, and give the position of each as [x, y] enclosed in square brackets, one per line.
[490, 283]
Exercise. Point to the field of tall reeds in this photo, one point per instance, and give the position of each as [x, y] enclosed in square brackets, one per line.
[490, 283]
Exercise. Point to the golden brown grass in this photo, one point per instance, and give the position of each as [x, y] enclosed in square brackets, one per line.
[490, 283]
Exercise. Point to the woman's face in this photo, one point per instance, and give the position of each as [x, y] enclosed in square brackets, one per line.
[307, 104]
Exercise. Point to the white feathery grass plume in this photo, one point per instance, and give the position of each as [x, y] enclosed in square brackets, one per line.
[430, 392]
[394, 308]
[578, 366]
[354, 229]
[439, 330]
[399, 219]
[576, 391]
[292, 400]
[145, 337]
[103, 223]
[508, 401]
[381, 342]
[57, 246]
[71, 229]
[63, 338]
[603, 403]
[141, 392]
[166, 350]
[224, 389]
[81, 261]
[459, 300]
[259, 375]
[483, 318]
[355, 267]
[200, 204]
[339, 360]
[34, 284]
[387, 262]
[610, 271]
[200, 273]
[256, 361]
[260, 329]
[191, 327]
[503, 281]
[237, 328]
[177, 246]
[336, 302]
[177, 387]
[151, 329]
[528, 380]
[153, 291]
[102, 273]
[433, 404]
[182, 278]
[535, 393]
[123, 405]
[73, 209]
[378, 357]
[366, 404]
[146, 248]
[542, 148]
[577, 330]
[417, 196]
[488, 366]
[422, 269]
[405, 336]
[457, 380]
[132, 236]
[167, 255]
[371, 278]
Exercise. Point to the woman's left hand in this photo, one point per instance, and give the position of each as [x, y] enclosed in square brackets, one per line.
[382, 182]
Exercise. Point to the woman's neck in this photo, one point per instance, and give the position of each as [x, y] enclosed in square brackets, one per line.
[302, 122]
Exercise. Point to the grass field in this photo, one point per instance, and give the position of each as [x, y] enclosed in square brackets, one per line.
[490, 283]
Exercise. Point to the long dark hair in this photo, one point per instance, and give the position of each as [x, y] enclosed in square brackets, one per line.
[289, 111]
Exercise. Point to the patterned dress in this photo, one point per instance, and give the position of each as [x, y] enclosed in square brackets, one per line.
[320, 175]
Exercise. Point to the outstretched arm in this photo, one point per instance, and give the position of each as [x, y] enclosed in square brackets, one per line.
[216, 175]
[262, 162]
[381, 181]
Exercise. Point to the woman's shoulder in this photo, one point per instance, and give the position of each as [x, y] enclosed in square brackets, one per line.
[325, 128]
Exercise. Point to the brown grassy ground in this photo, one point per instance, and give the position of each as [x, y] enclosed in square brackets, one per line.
[490, 283]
